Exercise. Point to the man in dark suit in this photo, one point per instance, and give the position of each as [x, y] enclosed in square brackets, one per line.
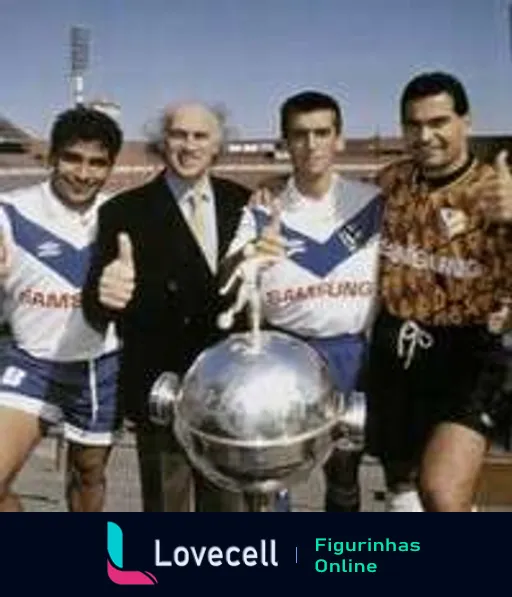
[155, 274]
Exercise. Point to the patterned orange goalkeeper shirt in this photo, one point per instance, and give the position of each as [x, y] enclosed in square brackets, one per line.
[442, 263]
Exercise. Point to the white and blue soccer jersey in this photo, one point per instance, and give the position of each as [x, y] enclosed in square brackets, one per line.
[56, 366]
[327, 287]
[50, 246]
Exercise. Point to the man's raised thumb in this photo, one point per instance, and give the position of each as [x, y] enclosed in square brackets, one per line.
[3, 248]
[501, 163]
[125, 248]
[275, 216]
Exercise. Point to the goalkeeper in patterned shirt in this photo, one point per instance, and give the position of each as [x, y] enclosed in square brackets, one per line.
[437, 359]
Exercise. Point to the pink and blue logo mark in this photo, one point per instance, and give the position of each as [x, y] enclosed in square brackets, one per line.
[115, 569]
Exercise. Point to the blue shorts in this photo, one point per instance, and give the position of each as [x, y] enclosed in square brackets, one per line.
[344, 356]
[80, 395]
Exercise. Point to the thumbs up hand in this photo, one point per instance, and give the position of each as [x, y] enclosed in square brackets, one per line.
[117, 282]
[5, 258]
[495, 194]
[264, 194]
[270, 242]
[501, 165]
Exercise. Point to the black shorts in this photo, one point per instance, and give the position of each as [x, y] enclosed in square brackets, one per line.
[418, 377]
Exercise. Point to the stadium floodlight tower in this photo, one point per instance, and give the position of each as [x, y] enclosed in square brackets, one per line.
[80, 39]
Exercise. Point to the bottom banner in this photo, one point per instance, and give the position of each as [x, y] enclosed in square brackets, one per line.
[245, 553]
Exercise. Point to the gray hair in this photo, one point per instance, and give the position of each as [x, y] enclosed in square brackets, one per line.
[156, 130]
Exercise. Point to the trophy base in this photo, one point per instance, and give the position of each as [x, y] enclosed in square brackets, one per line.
[263, 502]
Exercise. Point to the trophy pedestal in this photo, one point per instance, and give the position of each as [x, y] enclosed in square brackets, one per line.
[266, 502]
[260, 502]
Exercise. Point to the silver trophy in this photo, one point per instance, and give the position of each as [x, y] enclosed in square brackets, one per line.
[257, 412]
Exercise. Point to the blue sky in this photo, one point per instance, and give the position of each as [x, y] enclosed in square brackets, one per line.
[250, 54]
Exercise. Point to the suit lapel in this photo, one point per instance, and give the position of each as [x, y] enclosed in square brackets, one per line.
[227, 217]
[169, 215]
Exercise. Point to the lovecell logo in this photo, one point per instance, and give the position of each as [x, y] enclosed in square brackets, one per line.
[115, 570]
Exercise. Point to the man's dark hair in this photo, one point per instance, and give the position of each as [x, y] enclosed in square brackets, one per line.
[428, 84]
[308, 101]
[85, 124]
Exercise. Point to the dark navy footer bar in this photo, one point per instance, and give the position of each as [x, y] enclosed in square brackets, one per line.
[235, 554]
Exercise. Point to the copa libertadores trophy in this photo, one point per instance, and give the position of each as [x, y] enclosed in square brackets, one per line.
[257, 412]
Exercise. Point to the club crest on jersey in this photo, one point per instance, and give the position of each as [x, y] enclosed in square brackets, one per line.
[351, 237]
[453, 221]
[49, 248]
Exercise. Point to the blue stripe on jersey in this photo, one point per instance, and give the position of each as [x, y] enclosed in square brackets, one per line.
[49, 249]
[347, 239]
